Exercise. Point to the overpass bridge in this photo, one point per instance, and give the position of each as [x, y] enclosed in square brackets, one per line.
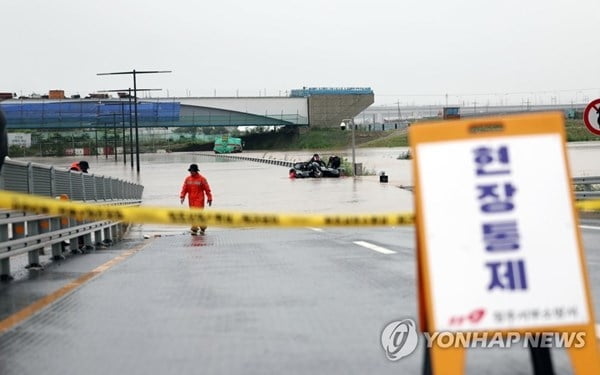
[318, 107]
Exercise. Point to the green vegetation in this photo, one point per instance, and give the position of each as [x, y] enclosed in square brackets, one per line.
[396, 139]
[577, 131]
[320, 139]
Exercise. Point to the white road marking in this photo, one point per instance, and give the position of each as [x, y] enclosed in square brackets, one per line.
[370, 246]
[589, 227]
[316, 229]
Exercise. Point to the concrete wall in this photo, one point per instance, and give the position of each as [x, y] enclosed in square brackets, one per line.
[327, 111]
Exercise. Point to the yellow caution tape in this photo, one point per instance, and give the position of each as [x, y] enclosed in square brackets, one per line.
[588, 205]
[175, 216]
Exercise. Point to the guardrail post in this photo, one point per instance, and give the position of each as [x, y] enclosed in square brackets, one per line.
[57, 247]
[18, 231]
[107, 236]
[98, 237]
[115, 232]
[74, 245]
[33, 256]
[5, 262]
[66, 222]
[88, 244]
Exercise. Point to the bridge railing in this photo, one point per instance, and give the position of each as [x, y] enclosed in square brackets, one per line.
[22, 232]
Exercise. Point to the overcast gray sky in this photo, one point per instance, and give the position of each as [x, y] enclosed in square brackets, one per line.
[405, 50]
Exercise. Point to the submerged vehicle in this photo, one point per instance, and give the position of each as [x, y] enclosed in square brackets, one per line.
[316, 169]
[225, 144]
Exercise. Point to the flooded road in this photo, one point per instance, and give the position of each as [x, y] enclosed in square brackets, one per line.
[259, 187]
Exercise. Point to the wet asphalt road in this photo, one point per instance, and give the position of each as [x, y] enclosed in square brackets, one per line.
[249, 301]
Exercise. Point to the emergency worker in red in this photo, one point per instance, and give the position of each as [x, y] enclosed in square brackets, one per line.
[80, 166]
[197, 189]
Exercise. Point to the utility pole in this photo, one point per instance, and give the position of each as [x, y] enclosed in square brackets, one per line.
[130, 121]
[123, 124]
[115, 136]
[135, 104]
[130, 128]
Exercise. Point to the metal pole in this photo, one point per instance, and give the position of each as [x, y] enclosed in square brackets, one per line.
[123, 124]
[130, 130]
[105, 143]
[137, 139]
[353, 148]
[115, 135]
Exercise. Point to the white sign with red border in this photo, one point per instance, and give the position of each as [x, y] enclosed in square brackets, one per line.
[591, 116]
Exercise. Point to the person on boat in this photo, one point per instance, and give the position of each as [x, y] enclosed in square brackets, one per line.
[80, 166]
[316, 159]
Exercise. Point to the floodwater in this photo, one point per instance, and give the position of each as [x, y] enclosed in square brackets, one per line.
[259, 187]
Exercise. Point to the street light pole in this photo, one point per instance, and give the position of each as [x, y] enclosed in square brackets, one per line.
[130, 129]
[353, 147]
[115, 136]
[130, 120]
[343, 125]
[134, 73]
[123, 124]
[137, 139]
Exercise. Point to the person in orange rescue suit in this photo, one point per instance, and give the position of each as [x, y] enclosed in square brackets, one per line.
[197, 189]
[80, 166]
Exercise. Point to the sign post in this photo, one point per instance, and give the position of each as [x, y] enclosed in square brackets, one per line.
[499, 250]
[591, 116]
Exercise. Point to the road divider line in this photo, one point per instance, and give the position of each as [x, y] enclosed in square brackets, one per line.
[373, 247]
[316, 229]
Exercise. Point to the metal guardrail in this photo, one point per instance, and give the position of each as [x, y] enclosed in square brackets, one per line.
[22, 232]
[584, 189]
[285, 163]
